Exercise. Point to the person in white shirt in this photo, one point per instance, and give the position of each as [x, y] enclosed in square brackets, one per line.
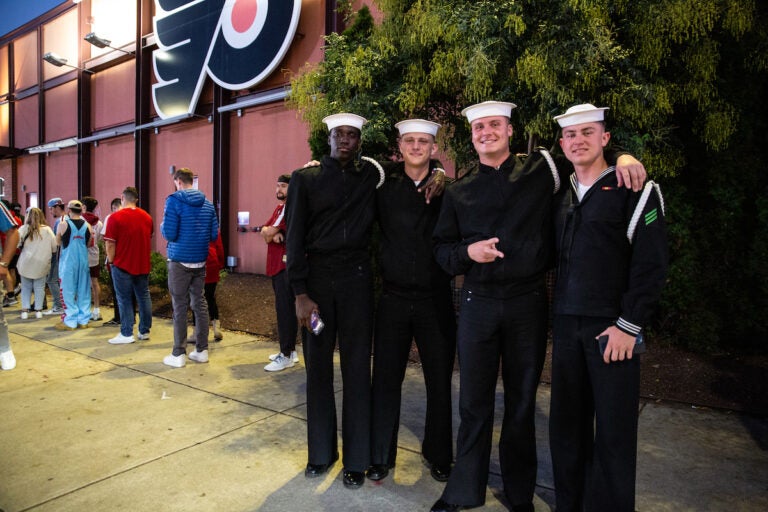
[38, 244]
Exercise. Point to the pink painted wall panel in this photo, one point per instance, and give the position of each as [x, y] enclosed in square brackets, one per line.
[266, 142]
[26, 174]
[113, 96]
[61, 176]
[112, 170]
[61, 112]
[25, 61]
[26, 122]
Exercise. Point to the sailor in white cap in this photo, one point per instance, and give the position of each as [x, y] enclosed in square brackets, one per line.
[495, 229]
[586, 120]
[594, 382]
[329, 213]
[415, 304]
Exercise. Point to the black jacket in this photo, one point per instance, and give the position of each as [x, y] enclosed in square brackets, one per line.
[407, 221]
[329, 212]
[600, 273]
[513, 203]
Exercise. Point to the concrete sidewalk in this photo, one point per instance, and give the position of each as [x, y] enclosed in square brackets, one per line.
[88, 426]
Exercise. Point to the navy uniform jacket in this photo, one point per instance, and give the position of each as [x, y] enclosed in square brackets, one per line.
[600, 273]
[329, 213]
[407, 221]
[513, 203]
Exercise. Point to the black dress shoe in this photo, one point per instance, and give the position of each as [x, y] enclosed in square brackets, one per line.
[527, 507]
[378, 471]
[443, 506]
[353, 479]
[315, 470]
[440, 472]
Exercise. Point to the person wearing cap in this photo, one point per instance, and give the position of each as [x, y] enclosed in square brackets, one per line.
[273, 233]
[9, 227]
[495, 228]
[612, 261]
[329, 214]
[189, 225]
[415, 304]
[74, 236]
[128, 245]
[56, 207]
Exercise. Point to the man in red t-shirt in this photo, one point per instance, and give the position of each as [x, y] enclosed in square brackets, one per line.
[128, 241]
[273, 233]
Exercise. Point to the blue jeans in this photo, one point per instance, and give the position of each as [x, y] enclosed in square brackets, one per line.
[27, 285]
[53, 282]
[126, 286]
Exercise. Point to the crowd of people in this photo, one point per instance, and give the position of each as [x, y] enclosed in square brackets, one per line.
[585, 211]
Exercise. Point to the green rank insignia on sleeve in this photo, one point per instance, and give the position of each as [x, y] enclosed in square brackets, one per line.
[651, 216]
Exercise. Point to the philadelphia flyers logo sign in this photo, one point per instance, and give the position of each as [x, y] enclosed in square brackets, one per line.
[238, 43]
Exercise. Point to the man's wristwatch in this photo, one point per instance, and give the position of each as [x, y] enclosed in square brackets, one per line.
[3, 264]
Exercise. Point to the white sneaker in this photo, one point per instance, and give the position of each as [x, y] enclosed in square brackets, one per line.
[280, 363]
[24, 315]
[38, 314]
[95, 314]
[199, 357]
[54, 311]
[122, 340]
[144, 336]
[175, 361]
[7, 361]
[294, 356]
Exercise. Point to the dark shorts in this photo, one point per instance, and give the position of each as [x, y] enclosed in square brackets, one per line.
[95, 271]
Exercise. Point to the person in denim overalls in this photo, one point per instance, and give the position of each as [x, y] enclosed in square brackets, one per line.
[74, 236]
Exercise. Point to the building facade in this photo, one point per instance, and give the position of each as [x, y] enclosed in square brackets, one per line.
[97, 95]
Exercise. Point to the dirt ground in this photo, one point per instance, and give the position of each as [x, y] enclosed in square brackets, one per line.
[726, 381]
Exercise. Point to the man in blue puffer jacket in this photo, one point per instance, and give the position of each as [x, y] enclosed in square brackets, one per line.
[189, 224]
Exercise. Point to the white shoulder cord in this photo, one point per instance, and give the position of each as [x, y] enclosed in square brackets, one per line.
[378, 166]
[651, 185]
[553, 168]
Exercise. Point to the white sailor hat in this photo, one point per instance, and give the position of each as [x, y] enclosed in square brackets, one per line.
[344, 119]
[488, 108]
[417, 126]
[578, 114]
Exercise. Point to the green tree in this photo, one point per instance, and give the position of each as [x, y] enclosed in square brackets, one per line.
[681, 78]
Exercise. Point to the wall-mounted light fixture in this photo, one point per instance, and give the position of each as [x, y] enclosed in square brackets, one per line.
[52, 146]
[38, 150]
[58, 61]
[100, 42]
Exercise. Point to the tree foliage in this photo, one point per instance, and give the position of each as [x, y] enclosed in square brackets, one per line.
[681, 78]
